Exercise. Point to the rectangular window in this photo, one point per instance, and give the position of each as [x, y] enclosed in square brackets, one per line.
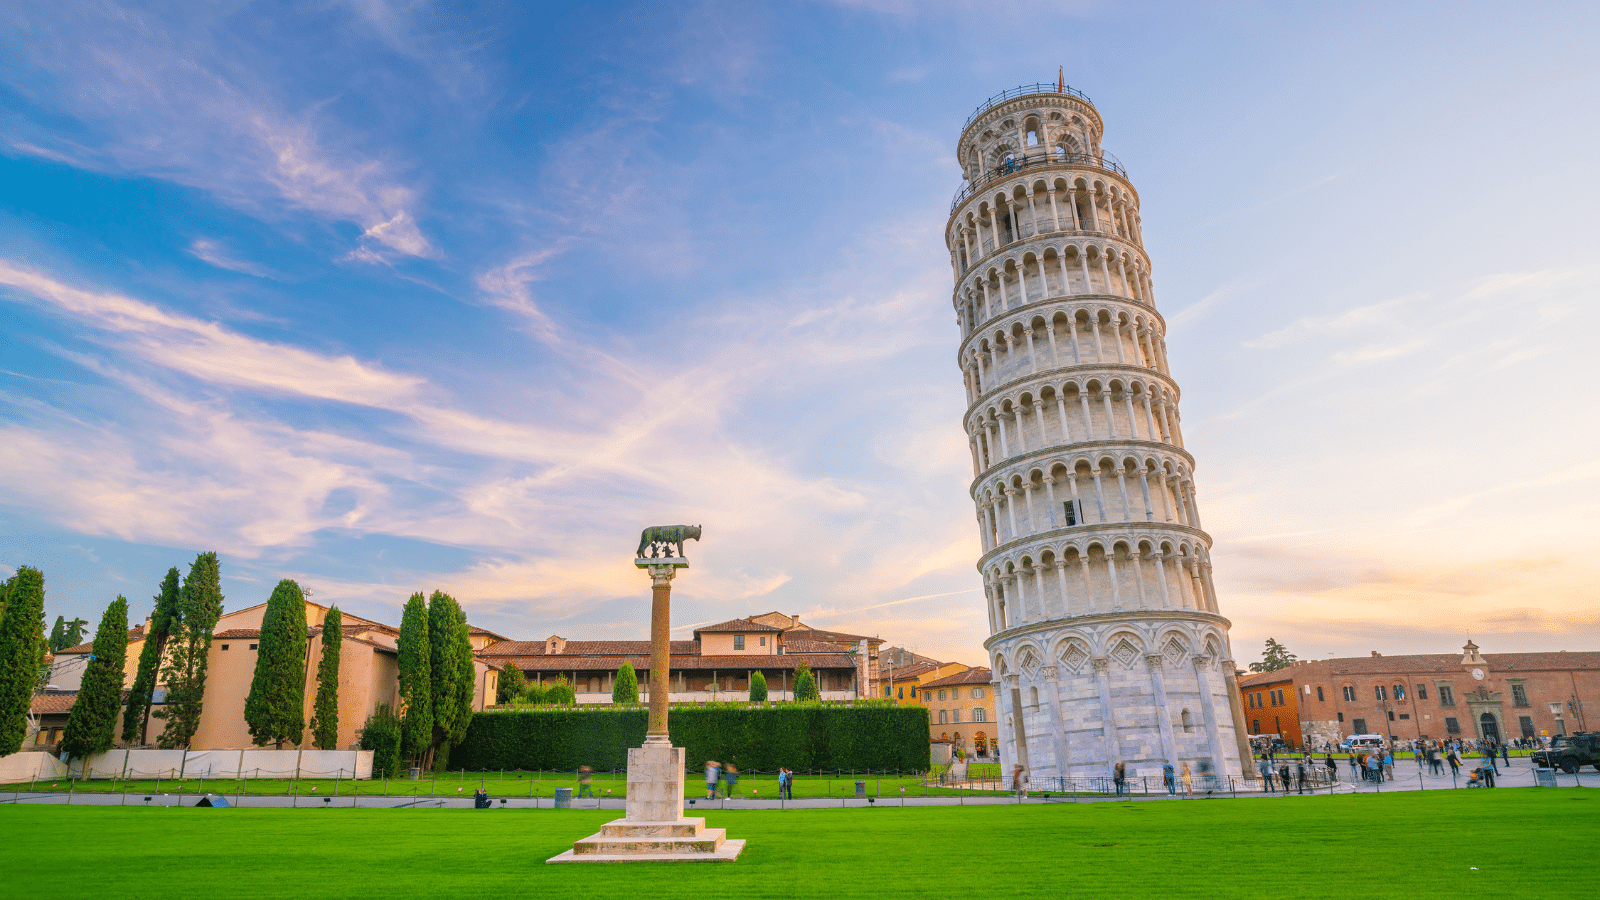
[1391, 715]
[1405, 716]
[944, 717]
[1319, 695]
[1349, 693]
[252, 646]
[224, 646]
[1281, 700]
[1422, 692]
[738, 642]
[1399, 692]
[955, 716]
[1341, 717]
[1380, 693]
[888, 691]
[977, 693]
[763, 640]
[941, 695]
[1526, 724]
[902, 694]
[1451, 726]
[1074, 515]
[1447, 697]
[913, 691]
[1255, 725]
[980, 715]
[1360, 726]
[1519, 695]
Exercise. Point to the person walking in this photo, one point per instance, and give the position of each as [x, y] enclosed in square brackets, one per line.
[713, 775]
[1119, 775]
[1188, 780]
[1455, 763]
[584, 787]
[1301, 772]
[1355, 767]
[730, 780]
[1332, 765]
[1169, 778]
[1283, 777]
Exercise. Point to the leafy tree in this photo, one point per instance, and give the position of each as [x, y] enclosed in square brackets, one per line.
[450, 652]
[381, 735]
[5, 591]
[21, 637]
[758, 687]
[58, 635]
[325, 718]
[189, 651]
[416, 697]
[275, 709]
[74, 632]
[136, 718]
[92, 724]
[626, 687]
[560, 693]
[535, 693]
[805, 684]
[512, 684]
[1276, 656]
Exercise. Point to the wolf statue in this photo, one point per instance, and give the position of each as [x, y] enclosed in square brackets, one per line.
[667, 534]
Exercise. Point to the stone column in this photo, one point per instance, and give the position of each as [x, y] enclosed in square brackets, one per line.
[1058, 733]
[1102, 678]
[1202, 674]
[1231, 682]
[1019, 729]
[1169, 747]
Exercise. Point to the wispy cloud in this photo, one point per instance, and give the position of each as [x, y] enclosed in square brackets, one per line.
[215, 253]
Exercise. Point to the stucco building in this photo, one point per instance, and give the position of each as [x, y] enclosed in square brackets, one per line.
[716, 665]
[961, 710]
[1107, 643]
[1434, 696]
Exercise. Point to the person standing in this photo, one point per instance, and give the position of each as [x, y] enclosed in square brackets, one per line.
[1170, 779]
[584, 788]
[1301, 772]
[785, 778]
[1505, 755]
[713, 775]
[1264, 765]
[1388, 763]
[1119, 775]
[1283, 776]
[1332, 766]
[1188, 780]
[730, 780]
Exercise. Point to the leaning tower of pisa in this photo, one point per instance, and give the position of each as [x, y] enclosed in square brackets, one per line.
[1105, 637]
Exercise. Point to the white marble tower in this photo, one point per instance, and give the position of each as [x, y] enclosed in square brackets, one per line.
[1105, 637]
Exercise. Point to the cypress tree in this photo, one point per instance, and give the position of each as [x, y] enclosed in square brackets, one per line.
[626, 688]
[416, 668]
[758, 687]
[74, 633]
[189, 651]
[512, 684]
[805, 684]
[275, 709]
[21, 635]
[92, 724]
[325, 715]
[58, 635]
[450, 646]
[136, 719]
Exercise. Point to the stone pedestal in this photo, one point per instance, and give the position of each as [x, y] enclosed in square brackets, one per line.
[654, 828]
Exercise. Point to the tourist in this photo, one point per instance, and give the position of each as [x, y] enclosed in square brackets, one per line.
[730, 779]
[1505, 756]
[1355, 767]
[1017, 787]
[1119, 775]
[1170, 779]
[1332, 766]
[1301, 773]
[1455, 763]
[1283, 777]
[1388, 764]
[713, 775]
[785, 779]
[584, 788]
[1188, 780]
[1265, 766]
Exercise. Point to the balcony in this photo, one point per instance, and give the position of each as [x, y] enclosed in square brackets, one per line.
[1010, 167]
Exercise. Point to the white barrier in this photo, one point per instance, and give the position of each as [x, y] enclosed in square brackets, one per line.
[30, 764]
[217, 764]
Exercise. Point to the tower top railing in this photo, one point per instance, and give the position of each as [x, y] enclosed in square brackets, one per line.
[1022, 91]
[1012, 166]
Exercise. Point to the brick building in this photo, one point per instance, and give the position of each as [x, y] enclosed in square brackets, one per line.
[1436, 696]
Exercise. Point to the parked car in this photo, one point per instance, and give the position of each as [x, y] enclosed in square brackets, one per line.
[1571, 752]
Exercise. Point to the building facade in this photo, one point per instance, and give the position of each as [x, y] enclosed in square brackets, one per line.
[717, 665]
[1429, 696]
[961, 710]
[1106, 641]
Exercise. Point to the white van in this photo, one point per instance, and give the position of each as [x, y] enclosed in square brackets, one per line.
[1361, 743]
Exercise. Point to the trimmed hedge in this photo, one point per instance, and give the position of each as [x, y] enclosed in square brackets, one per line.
[873, 735]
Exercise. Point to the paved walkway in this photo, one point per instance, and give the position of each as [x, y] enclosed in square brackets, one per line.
[1407, 778]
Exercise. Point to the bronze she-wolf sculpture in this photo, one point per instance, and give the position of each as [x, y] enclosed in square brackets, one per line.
[668, 535]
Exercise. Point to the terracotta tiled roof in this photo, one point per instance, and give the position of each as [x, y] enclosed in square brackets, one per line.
[693, 663]
[238, 633]
[585, 648]
[54, 703]
[910, 673]
[136, 633]
[473, 629]
[794, 645]
[974, 675]
[738, 625]
[1425, 664]
[835, 637]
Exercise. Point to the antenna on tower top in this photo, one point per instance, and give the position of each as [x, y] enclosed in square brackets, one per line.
[1061, 80]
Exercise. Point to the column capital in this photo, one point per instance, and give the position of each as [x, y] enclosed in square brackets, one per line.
[1013, 681]
[1102, 664]
[1155, 661]
[1048, 672]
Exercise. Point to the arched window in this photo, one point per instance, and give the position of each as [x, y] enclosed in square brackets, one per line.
[980, 744]
[1033, 696]
[1188, 721]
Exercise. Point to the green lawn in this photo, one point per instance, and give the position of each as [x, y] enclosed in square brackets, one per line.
[1523, 842]
[501, 784]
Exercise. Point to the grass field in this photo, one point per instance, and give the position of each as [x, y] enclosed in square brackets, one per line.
[1524, 842]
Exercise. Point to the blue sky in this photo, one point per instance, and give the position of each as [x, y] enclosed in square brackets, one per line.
[395, 297]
